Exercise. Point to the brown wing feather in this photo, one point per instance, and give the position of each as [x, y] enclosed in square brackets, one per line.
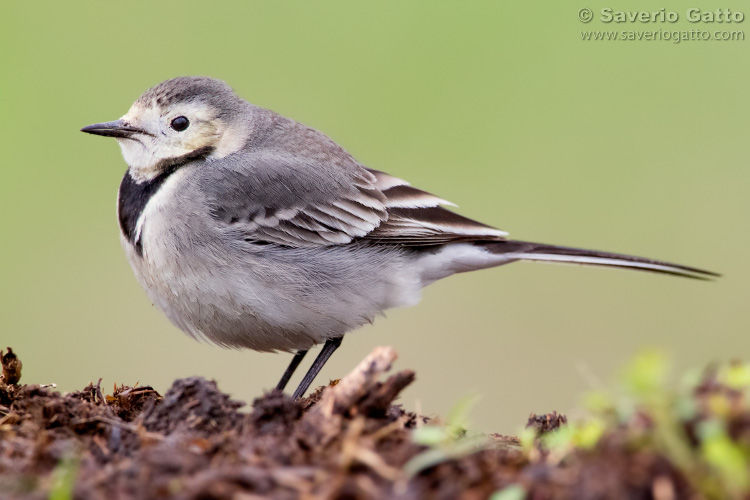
[416, 217]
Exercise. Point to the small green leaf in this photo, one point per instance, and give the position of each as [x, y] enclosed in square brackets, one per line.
[64, 479]
[458, 417]
[736, 376]
[647, 373]
[451, 450]
[588, 434]
[527, 437]
[686, 408]
[598, 401]
[512, 492]
[560, 439]
[724, 455]
[430, 435]
[425, 460]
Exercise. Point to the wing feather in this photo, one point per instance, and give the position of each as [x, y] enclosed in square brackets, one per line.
[371, 205]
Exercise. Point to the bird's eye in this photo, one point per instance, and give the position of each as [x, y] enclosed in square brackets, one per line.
[180, 123]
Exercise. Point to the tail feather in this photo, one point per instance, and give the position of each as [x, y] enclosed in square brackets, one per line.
[524, 250]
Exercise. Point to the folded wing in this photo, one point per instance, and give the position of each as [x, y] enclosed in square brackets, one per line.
[292, 209]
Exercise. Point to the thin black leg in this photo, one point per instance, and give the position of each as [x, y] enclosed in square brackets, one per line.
[328, 348]
[296, 360]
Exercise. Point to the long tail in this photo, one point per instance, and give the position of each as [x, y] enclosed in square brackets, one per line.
[524, 250]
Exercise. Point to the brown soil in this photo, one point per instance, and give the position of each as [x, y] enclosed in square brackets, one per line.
[347, 440]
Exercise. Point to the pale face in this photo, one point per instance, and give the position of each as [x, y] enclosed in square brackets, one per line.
[177, 121]
[170, 133]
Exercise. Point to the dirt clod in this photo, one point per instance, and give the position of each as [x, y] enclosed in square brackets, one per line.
[194, 404]
[547, 422]
[348, 440]
[11, 367]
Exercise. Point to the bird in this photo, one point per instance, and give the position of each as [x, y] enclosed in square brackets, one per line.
[251, 230]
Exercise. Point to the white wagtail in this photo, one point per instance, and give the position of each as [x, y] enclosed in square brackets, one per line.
[252, 230]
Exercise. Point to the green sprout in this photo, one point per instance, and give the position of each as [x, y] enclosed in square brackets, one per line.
[446, 442]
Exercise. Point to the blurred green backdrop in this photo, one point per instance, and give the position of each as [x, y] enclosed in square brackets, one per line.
[637, 147]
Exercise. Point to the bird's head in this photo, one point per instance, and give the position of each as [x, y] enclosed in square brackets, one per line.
[177, 121]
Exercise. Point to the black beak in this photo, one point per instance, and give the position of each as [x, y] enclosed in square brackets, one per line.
[117, 128]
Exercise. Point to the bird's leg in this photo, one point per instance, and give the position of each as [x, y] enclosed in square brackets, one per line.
[296, 360]
[328, 348]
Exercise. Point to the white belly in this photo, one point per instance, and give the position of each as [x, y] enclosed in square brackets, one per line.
[212, 285]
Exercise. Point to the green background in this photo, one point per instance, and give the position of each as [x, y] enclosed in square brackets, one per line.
[500, 107]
